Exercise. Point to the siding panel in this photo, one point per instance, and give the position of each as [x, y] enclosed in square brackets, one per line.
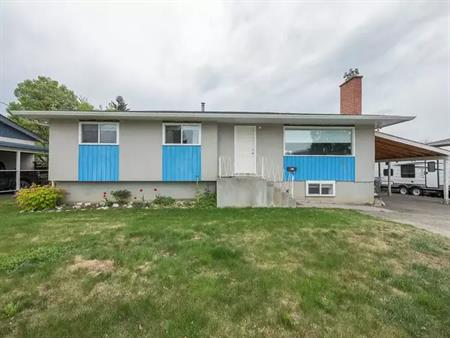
[335, 168]
[98, 163]
[181, 163]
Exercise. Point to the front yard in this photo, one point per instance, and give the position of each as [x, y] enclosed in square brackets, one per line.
[226, 273]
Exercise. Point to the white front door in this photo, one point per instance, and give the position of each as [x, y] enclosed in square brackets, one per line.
[245, 150]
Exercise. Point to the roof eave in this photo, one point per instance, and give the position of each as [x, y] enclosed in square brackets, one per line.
[379, 121]
[21, 129]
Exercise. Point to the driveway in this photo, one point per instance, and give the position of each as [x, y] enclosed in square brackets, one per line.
[423, 212]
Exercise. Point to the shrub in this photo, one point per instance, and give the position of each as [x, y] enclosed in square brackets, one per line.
[163, 201]
[141, 204]
[206, 199]
[39, 197]
[121, 196]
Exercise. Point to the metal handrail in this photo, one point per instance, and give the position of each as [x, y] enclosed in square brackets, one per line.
[265, 169]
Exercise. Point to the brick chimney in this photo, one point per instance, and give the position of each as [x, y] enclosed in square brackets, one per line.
[351, 93]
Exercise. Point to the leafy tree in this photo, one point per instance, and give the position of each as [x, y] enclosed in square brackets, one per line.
[84, 105]
[118, 105]
[44, 93]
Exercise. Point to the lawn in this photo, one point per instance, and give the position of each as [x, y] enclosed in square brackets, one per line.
[219, 272]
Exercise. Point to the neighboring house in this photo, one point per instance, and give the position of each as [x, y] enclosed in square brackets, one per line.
[443, 144]
[242, 155]
[18, 147]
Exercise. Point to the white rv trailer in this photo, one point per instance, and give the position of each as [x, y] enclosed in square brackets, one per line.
[414, 177]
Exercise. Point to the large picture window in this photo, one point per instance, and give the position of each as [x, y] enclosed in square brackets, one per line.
[179, 133]
[318, 141]
[99, 133]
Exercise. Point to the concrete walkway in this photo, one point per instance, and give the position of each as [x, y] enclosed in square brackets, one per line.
[423, 212]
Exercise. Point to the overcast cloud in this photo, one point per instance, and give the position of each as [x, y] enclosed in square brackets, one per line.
[277, 56]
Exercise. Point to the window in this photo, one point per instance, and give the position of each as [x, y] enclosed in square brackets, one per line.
[320, 188]
[386, 172]
[99, 132]
[318, 141]
[431, 167]
[408, 170]
[178, 133]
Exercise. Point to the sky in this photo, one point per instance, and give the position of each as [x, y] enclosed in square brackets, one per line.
[244, 56]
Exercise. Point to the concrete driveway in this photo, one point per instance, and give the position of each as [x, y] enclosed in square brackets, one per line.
[424, 212]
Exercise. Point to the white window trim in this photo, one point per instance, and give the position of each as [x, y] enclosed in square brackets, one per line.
[318, 127]
[320, 188]
[182, 125]
[98, 136]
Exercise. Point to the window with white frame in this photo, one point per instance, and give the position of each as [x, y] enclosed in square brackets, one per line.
[318, 141]
[99, 133]
[181, 133]
[320, 188]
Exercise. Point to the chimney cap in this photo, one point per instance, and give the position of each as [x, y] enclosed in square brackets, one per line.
[350, 74]
[203, 104]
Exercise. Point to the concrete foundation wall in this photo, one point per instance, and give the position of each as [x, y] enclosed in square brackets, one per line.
[346, 192]
[93, 192]
[241, 192]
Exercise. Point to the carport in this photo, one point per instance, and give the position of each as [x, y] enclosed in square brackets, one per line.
[19, 148]
[390, 148]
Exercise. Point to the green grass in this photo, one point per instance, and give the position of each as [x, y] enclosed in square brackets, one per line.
[224, 273]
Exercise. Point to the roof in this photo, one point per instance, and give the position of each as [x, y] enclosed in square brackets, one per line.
[441, 143]
[4, 120]
[13, 146]
[379, 121]
[394, 148]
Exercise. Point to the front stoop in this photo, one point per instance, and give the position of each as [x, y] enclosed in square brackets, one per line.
[248, 191]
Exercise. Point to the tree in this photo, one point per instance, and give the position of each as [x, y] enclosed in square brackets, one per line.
[118, 105]
[44, 93]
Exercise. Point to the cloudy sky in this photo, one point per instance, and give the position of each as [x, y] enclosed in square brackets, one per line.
[253, 55]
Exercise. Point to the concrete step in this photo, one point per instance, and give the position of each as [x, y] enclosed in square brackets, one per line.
[250, 191]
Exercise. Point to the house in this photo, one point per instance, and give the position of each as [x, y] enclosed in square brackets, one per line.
[443, 144]
[18, 147]
[249, 158]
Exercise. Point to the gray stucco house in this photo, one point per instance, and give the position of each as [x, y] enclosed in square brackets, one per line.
[241, 155]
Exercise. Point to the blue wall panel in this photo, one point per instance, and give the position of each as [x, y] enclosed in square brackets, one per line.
[98, 163]
[181, 163]
[333, 168]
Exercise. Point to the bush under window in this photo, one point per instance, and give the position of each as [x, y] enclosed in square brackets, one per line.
[39, 197]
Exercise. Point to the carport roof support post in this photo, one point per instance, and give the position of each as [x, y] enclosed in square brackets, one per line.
[18, 170]
[445, 187]
[389, 179]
